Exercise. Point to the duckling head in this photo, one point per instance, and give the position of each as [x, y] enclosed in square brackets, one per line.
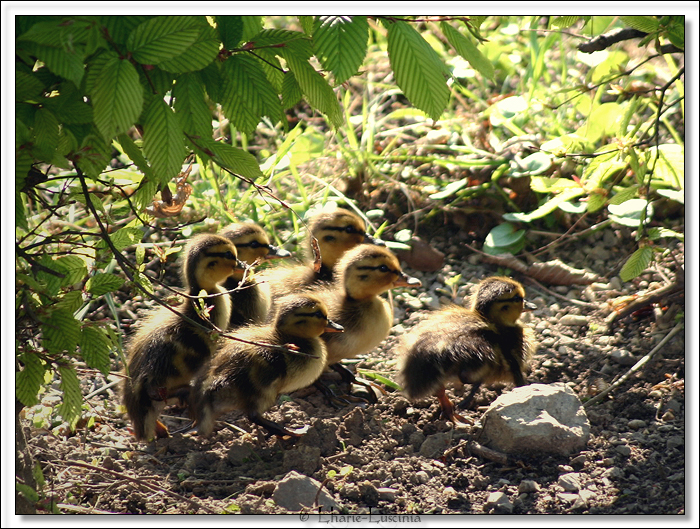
[252, 243]
[208, 260]
[368, 270]
[303, 316]
[501, 300]
[337, 232]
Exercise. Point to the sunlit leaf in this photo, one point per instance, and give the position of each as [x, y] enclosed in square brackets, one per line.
[637, 263]
[340, 43]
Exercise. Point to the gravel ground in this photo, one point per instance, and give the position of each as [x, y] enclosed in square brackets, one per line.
[399, 458]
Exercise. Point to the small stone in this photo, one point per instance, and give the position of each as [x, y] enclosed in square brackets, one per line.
[435, 445]
[674, 442]
[567, 497]
[422, 477]
[668, 416]
[570, 482]
[614, 473]
[573, 320]
[528, 485]
[579, 460]
[636, 424]
[623, 357]
[387, 494]
[623, 450]
[295, 491]
[499, 503]
[565, 468]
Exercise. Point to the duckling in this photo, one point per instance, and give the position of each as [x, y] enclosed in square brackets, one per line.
[249, 302]
[479, 345]
[167, 351]
[336, 232]
[247, 376]
[362, 274]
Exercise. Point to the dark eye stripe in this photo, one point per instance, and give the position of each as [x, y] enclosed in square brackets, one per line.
[383, 268]
[225, 255]
[349, 229]
[252, 244]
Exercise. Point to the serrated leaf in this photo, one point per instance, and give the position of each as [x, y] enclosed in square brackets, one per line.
[72, 403]
[315, 88]
[29, 379]
[68, 65]
[27, 86]
[124, 237]
[163, 141]
[230, 29]
[45, 134]
[418, 69]
[100, 283]
[191, 108]
[291, 91]
[61, 332]
[69, 106]
[95, 347]
[71, 301]
[647, 24]
[246, 94]
[196, 56]
[468, 50]
[94, 68]
[93, 155]
[143, 280]
[564, 22]
[625, 195]
[162, 38]
[128, 147]
[658, 233]
[117, 98]
[237, 160]
[340, 43]
[73, 267]
[637, 263]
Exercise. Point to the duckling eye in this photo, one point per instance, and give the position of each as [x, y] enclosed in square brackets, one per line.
[229, 255]
[329, 238]
[384, 268]
[350, 229]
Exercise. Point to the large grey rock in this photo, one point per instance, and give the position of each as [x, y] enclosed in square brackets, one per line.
[296, 492]
[539, 418]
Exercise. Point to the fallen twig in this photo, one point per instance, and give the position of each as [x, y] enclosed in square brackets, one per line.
[636, 367]
[155, 488]
[479, 450]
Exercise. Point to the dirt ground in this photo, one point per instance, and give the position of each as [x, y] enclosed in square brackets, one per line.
[377, 458]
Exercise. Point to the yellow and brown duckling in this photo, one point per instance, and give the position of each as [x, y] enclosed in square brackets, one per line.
[354, 301]
[249, 377]
[167, 351]
[249, 302]
[479, 345]
[336, 232]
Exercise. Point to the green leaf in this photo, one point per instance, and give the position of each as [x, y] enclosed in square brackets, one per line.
[117, 98]
[534, 164]
[68, 65]
[247, 95]
[191, 108]
[564, 22]
[546, 208]
[450, 189]
[29, 379]
[45, 134]
[143, 280]
[20, 212]
[73, 267]
[198, 55]
[658, 233]
[625, 195]
[291, 91]
[163, 141]
[637, 263]
[340, 43]
[647, 24]
[545, 184]
[29, 493]
[630, 212]
[670, 166]
[93, 155]
[315, 88]
[61, 332]
[69, 106]
[95, 347]
[72, 397]
[128, 147]
[71, 301]
[418, 69]
[678, 196]
[124, 237]
[504, 235]
[162, 38]
[238, 161]
[379, 378]
[467, 49]
[27, 86]
[230, 30]
[100, 283]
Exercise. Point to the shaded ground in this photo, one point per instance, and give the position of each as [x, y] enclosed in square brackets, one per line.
[634, 462]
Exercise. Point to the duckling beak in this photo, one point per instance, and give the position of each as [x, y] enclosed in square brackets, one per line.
[332, 326]
[373, 240]
[407, 281]
[528, 305]
[277, 253]
[240, 266]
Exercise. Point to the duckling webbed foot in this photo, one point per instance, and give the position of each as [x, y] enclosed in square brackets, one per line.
[349, 377]
[448, 409]
[276, 429]
[335, 400]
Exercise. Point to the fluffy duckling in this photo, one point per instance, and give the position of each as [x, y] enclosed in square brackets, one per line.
[167, 351]
[336, 232]
[249, 377]
[354, 301]
[480, 345]
[249, 302]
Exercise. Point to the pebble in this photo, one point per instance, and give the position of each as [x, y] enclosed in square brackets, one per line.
[623, 450]
[674, 442]
[570, 482]
[528, 485]
[499, 502]
[636, 424]
[623, 357]
[573, 320]
[387, 494]
[614, 473]
[421, 477]
[565, 468]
